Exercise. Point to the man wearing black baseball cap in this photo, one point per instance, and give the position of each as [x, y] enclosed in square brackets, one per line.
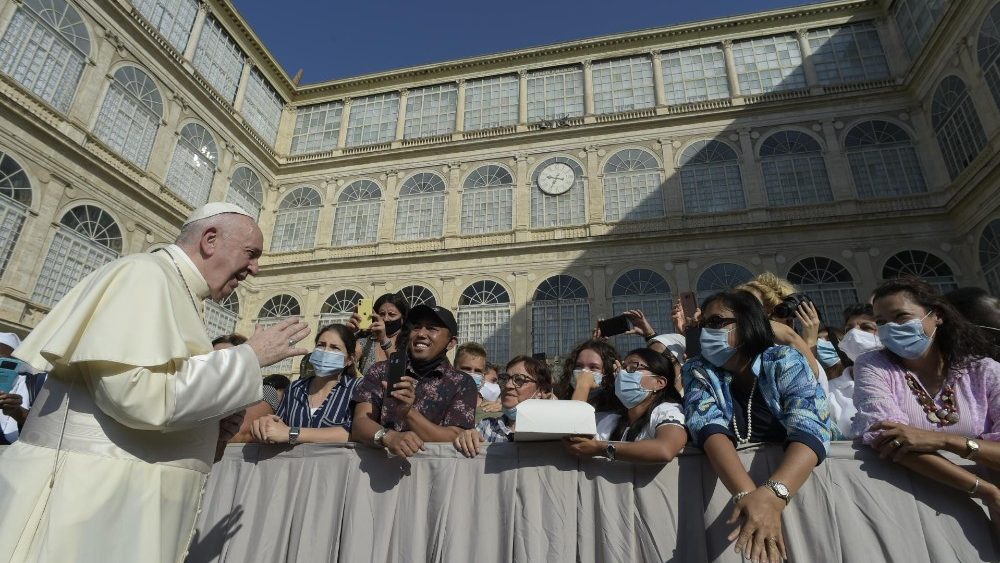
[432, 402]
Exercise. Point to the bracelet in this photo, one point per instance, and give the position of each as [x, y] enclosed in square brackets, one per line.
[975, 488]
[739, 496]
[385, 344]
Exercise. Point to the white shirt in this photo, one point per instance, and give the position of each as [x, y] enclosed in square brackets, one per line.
[840, 398]
[663, 413]
[7, 424]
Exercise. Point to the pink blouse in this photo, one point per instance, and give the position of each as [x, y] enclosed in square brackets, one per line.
[881, 395]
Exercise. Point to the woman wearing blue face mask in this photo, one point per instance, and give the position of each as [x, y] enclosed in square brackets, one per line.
[652, 430]
[744, 389]
[932, 389]
[315, 409]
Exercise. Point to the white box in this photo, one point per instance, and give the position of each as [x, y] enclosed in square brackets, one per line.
[540, 419]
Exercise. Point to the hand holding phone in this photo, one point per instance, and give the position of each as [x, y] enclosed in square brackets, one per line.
[614, 326]
[365, 311]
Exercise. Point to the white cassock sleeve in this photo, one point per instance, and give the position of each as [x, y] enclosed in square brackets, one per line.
[177, 395]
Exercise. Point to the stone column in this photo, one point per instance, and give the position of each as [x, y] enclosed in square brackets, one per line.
[659, 91]
[928, 151]
[673, 194]
[522, 98]
[401, 121]
[387, 223]
[588, 88]
[522, 198]
[344, 124]
[93, 83]
[753, 180]
[269, 210]
[594, 183]
[812, 79]
[892, 46]
[836, 163]
[199, 23]
[241, 90]
[166, 139]
[326, 215]
[312, 304]
[453, 200]
[286, 128]
[7, 11]
[224, 171]
[982, 99]
[869, 277]
[731, 76]
[520, 322]
[602, 303]
[29, 253]
[682, 275]
[460, 107]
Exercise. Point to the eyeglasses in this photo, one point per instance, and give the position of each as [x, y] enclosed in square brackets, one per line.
[517, 380]
[633, 367]
[717, 322]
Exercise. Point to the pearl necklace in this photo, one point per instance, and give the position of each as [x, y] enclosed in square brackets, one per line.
[740, 440]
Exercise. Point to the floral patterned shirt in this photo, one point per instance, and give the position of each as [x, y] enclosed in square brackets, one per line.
[446, 397]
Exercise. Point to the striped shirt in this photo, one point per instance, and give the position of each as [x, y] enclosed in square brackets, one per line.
[294, 409]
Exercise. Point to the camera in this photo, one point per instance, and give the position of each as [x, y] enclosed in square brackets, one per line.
[786, 309]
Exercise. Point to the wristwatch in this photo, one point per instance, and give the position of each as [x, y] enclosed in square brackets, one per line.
[380, 437]
[779, 489]
[609, 451]
[293, 435]
[972, 448]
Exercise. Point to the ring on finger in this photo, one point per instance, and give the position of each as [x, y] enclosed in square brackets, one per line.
[291, 342]
[897, 443]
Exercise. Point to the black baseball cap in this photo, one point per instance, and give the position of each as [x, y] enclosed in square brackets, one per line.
[439, 313]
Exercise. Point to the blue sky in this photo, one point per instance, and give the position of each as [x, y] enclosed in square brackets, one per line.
[337, 38]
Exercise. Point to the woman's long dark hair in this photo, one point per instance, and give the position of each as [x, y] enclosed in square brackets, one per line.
[350, 343]
[399, 302]
[605, 400]
[753, 328]
[956, 339]
[662, 366]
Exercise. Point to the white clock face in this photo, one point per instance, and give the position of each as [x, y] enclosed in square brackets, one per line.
[556, 178]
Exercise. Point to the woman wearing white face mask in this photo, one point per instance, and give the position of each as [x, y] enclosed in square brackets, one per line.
[526, 378]
[652, 430]
[315, 409]
[932, 389]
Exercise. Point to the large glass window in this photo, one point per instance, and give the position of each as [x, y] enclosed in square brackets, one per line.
[989, 255]
[130, 115]
[484, 317]
[710, 178]
[916, 19]
[555, 94]
[86, 239]
[560, 316]
[828, 284]
[988, 49]
[317, 128]
[357, 216]
[373, 120]
[262, 107]
[956, 125]
[491, 102]
[339, 307]
[721, 277]
[431, 111]
[420, 207]
[220, 318]
[172, 18]
[648, 292]
[794, 169]
[632, 186]
[45, 49]
[296, 221]
[418, 295]
[848, 53]
[219, 59]
[883, 160]
[623, 85]
[275, 310]
[193, 165]
[768, 64]
[15, 200]
[487, 200]
[557, 194]
[695, 75]
[246, 190]
[917, 263]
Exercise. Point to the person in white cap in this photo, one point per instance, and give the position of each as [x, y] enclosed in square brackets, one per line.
[14, 399]
[112, 460]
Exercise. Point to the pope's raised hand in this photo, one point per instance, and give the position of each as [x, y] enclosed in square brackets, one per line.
[278, 342]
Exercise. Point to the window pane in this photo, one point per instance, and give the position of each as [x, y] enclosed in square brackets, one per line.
[491, 102]
[317, 128]
[846, 54]
[130, 115]
[296, 221]
[623, 85]
[916, 20]
[794, 169]
[357, 217]
[568, 208]
[246, 190]
[695, 75]
[262, 107]
[632, 186]
[192, 167]
[883, 160]
[768, 64]
[555, 94]
[373, 120]
[431, 111]
[219, 59]
[487, 201]
[172, 18]
[710, 178]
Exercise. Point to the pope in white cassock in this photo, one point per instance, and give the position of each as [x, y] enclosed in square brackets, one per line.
[115, 452]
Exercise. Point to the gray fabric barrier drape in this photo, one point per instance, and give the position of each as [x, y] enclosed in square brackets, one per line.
[533, 503]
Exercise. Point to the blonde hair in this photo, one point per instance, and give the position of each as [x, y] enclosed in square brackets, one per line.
[771, 289]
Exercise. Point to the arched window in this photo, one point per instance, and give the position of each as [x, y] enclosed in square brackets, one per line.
[647, 291]
[827, 283]
[220, 318]
[339, 307]
[275, 310]
[560, 316]
[15, 199]
[487, 201]
[86, 239]
[557, 194]
[883, 160]
[418, 295]
[45, 49]
[989, 51]
[956, 125]
[246, 190]
[420, 211]
[296, 221]
[710, 178]
[484, 317]
[130, 115]
[794, 169]
[172, 18]
[193, 165]
[357, 214]
[989, 255]
[721, 277]
[920, 264]
[632, 186]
